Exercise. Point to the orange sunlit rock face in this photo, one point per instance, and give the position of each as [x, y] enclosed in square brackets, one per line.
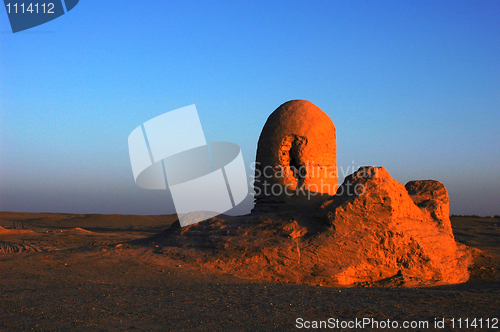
[372, 232]
[388, 229]
[296, 155]
[432, 199]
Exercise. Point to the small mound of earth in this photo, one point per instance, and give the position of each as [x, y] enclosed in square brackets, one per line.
[79, 230]
[374, 231]
[4, 231]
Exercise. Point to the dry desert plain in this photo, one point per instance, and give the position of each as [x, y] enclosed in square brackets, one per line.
[68, 272]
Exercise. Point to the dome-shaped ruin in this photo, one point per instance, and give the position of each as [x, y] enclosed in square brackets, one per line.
[296, 157]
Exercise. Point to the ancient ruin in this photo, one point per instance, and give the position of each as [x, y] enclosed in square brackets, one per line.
[371, 231]
[296, 157]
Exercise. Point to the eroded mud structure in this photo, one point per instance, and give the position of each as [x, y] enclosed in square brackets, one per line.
[296, 157]
[371, 231]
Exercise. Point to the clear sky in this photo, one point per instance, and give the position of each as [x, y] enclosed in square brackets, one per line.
[413, 86]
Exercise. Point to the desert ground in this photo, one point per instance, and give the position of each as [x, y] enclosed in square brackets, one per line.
[68, 272]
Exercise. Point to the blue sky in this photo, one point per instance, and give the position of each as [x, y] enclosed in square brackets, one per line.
[413, 86]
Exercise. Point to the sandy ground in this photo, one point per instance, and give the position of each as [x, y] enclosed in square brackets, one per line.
[62, 272]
